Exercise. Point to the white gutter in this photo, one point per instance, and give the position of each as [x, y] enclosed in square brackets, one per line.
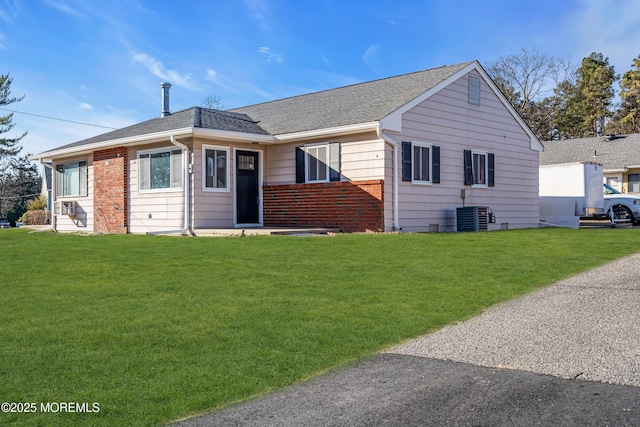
[152, 137]
[326, 132]
[394, 147]
[90, 148]
[187, 192]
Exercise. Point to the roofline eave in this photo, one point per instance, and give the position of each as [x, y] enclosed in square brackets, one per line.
[327, 132]
[150, 138]
[226, 135]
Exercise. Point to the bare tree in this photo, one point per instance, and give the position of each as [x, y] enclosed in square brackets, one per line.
[213, 102]
[523, 76]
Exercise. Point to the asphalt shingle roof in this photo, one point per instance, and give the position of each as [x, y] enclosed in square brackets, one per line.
[195, 117]
[611, 153]
[359, 103]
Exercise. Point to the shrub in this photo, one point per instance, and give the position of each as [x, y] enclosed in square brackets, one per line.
[39, 217]
[37, 204]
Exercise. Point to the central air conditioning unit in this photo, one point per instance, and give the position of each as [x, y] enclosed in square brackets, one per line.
[62, 207]
[473, 218]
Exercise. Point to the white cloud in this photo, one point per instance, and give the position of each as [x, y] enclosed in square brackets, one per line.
[10, 11]
[85, 106]
[156, 68]
[63, 6]
[234, 86]
[270, 56]
[612, 31]
[370, 55]
[258, 11]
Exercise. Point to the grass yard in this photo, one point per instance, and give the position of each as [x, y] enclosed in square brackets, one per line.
[155, 328]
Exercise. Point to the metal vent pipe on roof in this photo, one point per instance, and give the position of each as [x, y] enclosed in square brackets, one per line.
[165, 98]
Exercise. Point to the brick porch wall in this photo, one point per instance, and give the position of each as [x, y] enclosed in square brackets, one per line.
[110, 190]
[350, 206]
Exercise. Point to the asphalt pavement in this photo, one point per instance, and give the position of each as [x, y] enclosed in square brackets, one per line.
[567, 355]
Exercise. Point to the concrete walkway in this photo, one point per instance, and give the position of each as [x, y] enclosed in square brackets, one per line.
[566, 355]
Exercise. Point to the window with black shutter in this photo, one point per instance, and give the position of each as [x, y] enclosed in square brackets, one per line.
[318, 162]
[420, 162]
[479, 168]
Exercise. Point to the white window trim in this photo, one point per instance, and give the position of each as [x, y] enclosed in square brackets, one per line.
[413, 162]
[307, 162]
[486, 168]
[204, 169]
[181, 171]
[67, 196]
[618, 177]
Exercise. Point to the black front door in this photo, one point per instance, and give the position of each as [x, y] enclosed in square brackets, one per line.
[247, 187]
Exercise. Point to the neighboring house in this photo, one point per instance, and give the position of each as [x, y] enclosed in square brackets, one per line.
[400, 153]
[45, 190]
[619, 156]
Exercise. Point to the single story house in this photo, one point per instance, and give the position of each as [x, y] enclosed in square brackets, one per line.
[399, 153]
[619, 156]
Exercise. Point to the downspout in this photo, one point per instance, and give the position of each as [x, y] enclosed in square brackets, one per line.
[187, 192]
[394, 148]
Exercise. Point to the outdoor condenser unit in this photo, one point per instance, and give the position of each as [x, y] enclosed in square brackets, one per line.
[473, 218]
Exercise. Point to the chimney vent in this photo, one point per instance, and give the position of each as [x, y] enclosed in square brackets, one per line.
[165, 98]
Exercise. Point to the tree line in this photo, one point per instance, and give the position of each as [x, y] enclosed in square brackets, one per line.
[581, 99]
[20, 180]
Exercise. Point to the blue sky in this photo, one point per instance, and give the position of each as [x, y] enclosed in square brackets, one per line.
[101, 62]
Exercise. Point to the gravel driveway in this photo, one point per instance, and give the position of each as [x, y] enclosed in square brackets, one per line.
[566, 355]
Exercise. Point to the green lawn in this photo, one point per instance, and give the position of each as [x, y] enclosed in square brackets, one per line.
[156, 328]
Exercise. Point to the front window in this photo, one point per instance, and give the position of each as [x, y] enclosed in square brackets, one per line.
[216, 165]
[613, 182]
[160, 170]
[318, 163]
[479, 168]
[634, 182]
[421, 160]
[71, 179]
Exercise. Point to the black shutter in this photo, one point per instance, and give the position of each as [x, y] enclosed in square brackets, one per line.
[435, 166]
[406, 161]
[300, 155]
[491, 171]
[468, 168]
[334, 161]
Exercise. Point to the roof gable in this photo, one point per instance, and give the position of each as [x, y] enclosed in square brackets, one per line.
[348, 105]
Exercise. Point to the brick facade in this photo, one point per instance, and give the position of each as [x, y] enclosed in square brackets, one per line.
[110, 190]
[350, 206]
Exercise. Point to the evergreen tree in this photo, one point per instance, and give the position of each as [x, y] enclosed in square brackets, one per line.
[627, 118]
[24, 185]
[8, 146]
[568, 121]
[595, 94]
